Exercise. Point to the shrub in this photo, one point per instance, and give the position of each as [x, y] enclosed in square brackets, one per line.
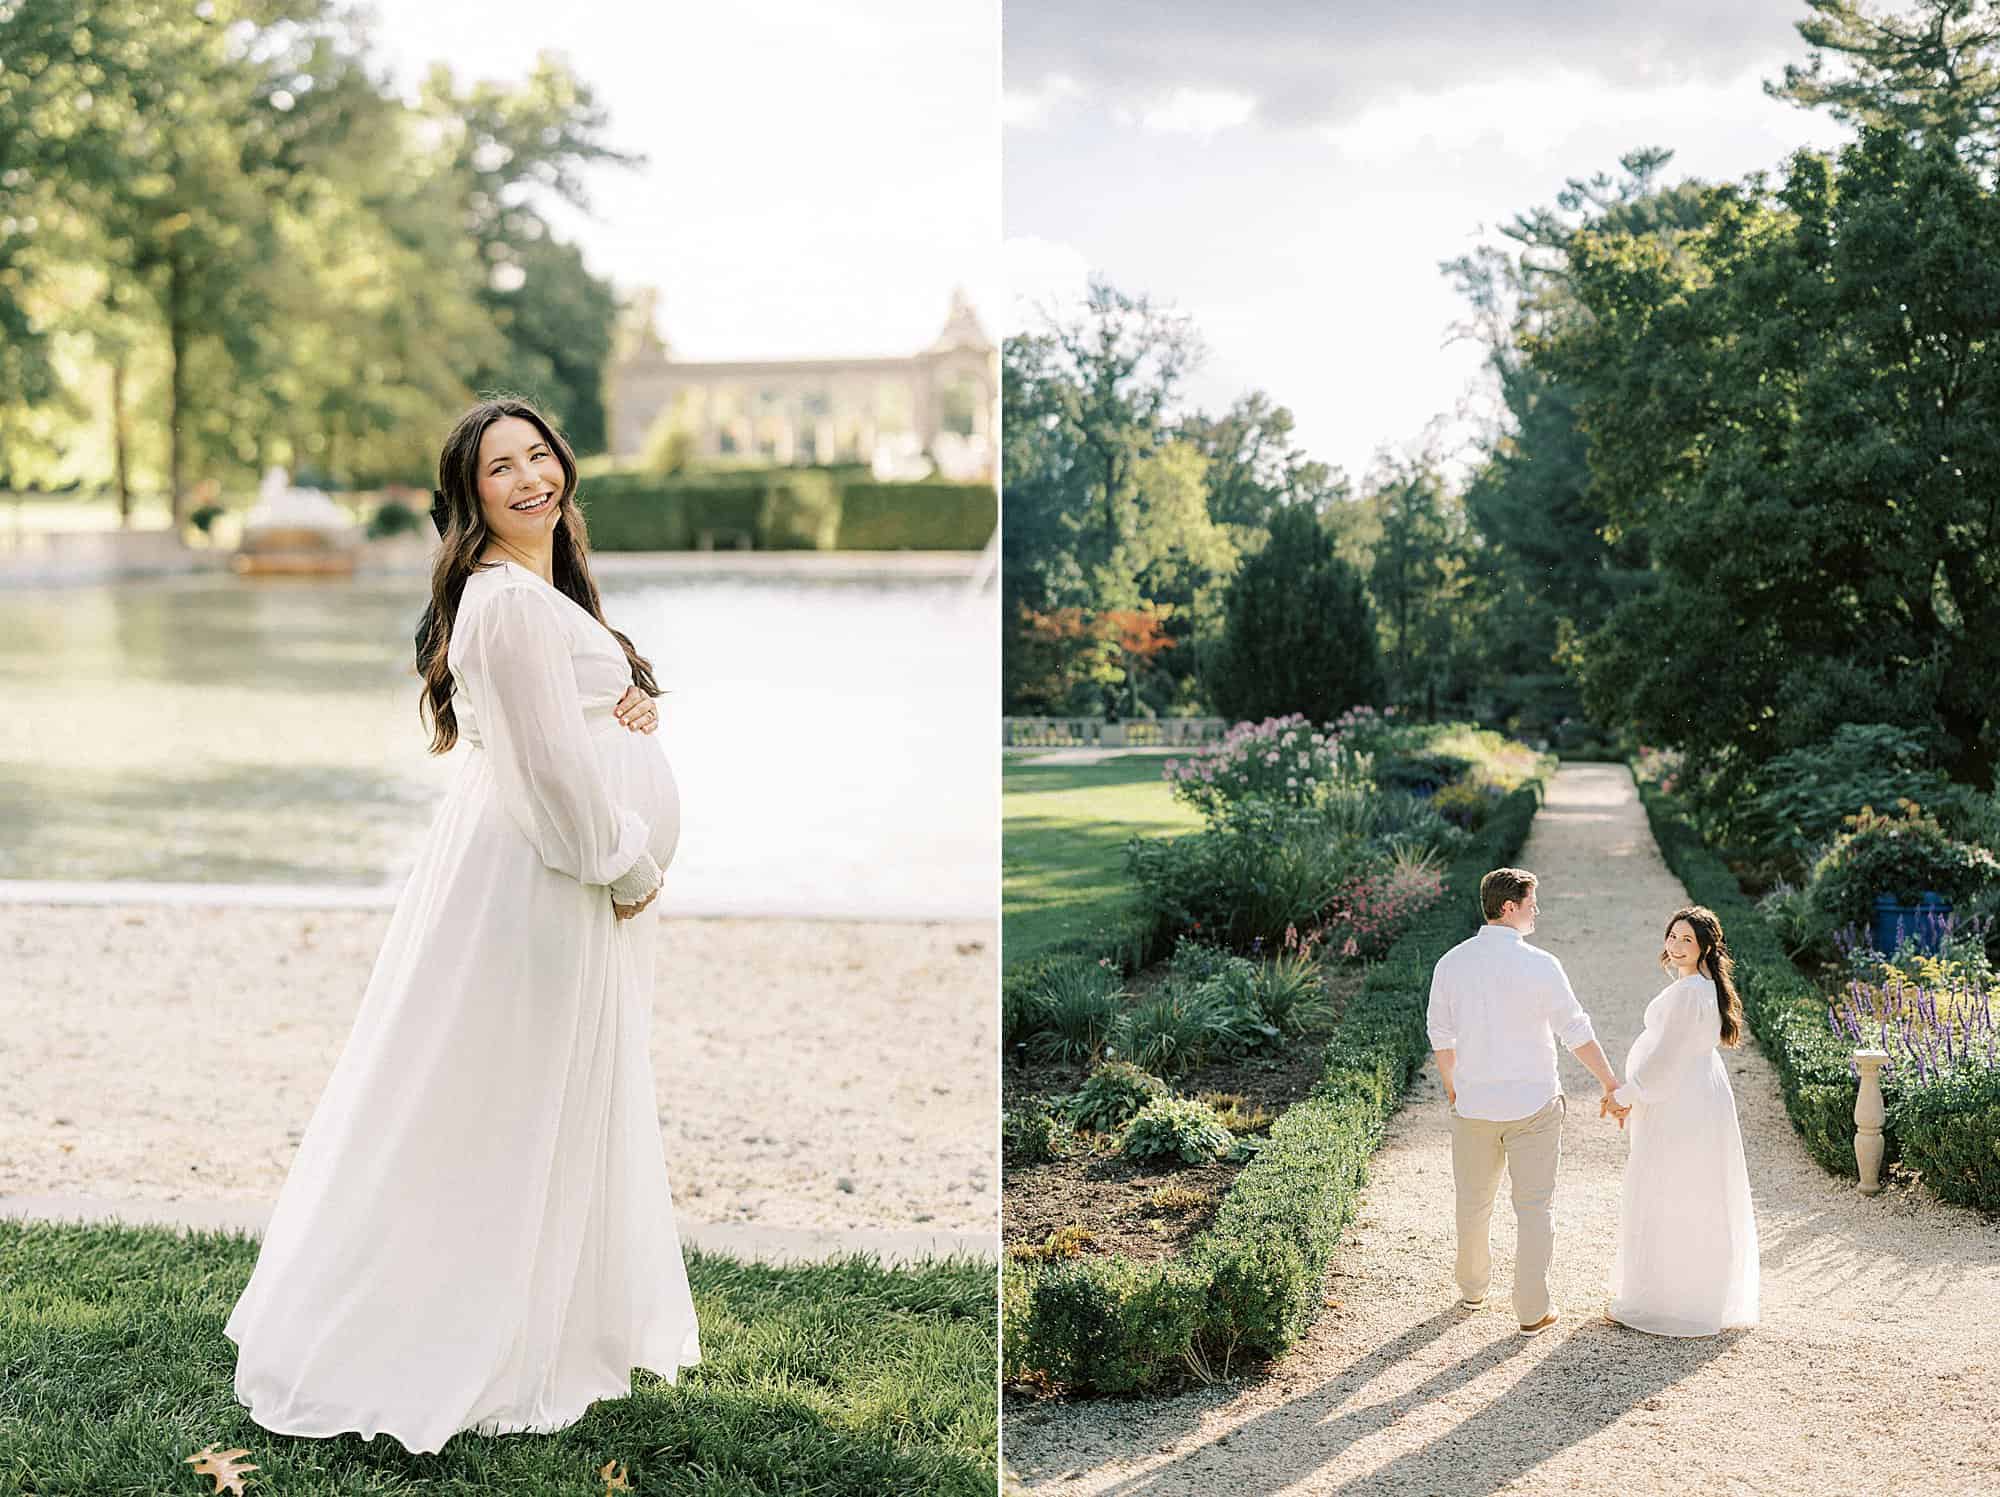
[1281, 759]
[1903, 855]
[1369, 913]
[204, 516]
[1237, 1112]
[1194, 962]
[1034, 1135]
[800, 510]
[394, 518]
[1464, 804]
[917, 516]
[1269, 867]
[1115, 1091]
[1289, 993]
[1175, 1029]
[1805, 794]
[1177, 1128]
[1077, 1001]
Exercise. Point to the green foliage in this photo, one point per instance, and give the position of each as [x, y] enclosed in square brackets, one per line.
[1787, 391]
[1076, 1003]
[204, 517]
[1174, 1029]
[1035, 1134]
[1299, 631]
[1805, 794]
[1903, 855]
[1269, 867]
[916, 516]
[779, 508]
[800, 511]
[1949, 1133]
[1176, 1128]
[1289, 993]
[392, 518]
[1114, 1092]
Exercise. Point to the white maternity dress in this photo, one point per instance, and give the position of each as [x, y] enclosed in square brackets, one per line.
[477, 1232]
[1686, 1263]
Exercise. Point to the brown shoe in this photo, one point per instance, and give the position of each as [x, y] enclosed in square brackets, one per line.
[1539, 1326]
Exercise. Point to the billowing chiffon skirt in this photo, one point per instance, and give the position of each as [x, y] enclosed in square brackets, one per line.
[1686, 1263]
[477, 1231]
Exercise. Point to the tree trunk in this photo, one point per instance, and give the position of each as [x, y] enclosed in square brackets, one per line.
[176, 389]
[120, 454]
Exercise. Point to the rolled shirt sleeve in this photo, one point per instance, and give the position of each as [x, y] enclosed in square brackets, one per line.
[1566, 1016]
[516, 668]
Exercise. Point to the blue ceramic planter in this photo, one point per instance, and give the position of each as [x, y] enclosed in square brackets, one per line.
[1923, 922]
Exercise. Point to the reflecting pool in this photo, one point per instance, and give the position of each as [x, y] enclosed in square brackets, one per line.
[833, 737]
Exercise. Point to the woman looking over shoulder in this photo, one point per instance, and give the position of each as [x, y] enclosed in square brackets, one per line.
[1686, 1263]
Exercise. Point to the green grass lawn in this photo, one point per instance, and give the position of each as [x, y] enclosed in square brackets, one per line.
[1063, 831]
[829, 1379]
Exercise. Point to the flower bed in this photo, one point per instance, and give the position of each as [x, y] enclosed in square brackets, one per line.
[1943, 1120]
[1250, 1285]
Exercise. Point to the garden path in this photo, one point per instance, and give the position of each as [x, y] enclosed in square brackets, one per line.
[1875, 1368]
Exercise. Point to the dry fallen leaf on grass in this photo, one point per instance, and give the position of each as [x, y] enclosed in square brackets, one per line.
[223, 1466]
[613, 1482]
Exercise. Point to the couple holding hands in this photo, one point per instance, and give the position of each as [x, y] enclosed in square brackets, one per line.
[1686, 1260]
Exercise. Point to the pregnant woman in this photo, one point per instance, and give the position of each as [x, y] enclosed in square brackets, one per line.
[1686, 1263]
[477, 1231]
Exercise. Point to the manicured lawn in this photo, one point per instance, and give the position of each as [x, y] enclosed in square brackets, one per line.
[1063, 831]
[830, 1379]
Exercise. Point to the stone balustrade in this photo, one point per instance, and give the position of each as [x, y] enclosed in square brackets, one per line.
[1097, 732]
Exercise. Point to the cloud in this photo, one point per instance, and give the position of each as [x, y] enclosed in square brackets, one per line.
[1036, 108]
[1307, 63]
[1200, 112]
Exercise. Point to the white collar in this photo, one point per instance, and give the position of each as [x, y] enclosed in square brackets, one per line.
[1507, 930]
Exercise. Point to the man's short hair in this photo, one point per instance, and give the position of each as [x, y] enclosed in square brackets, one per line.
[1501, 885]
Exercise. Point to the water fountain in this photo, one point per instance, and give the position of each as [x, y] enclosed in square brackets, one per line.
[295, 532]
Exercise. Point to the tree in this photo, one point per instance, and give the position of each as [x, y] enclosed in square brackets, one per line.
[1299, 634]
[1930, 76]
[1803, 413]
[1253, 465]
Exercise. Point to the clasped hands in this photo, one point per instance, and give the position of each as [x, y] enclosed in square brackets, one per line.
[1607, 1106]
[636, 711]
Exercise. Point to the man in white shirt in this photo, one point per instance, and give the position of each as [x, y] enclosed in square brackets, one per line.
[1498, 1006]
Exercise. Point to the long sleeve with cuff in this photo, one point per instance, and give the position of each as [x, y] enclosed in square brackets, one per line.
[517, 672]
[1680, 1032]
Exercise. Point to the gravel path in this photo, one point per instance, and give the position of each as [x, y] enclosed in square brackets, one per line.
[822, 1074]
[1875, 1368]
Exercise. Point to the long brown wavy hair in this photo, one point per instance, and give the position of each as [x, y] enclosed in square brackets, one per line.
[1712, 960]
[462, 526]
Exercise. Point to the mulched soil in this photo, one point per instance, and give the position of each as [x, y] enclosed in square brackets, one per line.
[1113, 1197]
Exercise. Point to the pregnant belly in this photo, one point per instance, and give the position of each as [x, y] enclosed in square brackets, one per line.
[639, 778]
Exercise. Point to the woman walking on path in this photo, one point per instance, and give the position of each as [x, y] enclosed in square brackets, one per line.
[1686, 1263]
[477, 1231]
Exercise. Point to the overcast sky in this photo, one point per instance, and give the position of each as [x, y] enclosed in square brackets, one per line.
[822, 172]
[1290, 172]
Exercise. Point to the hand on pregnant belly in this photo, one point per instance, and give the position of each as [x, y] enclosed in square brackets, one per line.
[641, 775]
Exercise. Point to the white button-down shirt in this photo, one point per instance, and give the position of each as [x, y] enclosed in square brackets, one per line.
[1502, 1004]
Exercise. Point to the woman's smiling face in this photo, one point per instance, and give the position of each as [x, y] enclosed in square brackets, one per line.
[1682, 947]
[520, 483]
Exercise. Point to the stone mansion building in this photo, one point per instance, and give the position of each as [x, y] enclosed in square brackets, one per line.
[935, 410]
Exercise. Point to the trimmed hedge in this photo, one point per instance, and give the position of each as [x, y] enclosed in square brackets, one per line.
[1250, 1284]
[785, 509]
[1948, 1132]
[919, 516]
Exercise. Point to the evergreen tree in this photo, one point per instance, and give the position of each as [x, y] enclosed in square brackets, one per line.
[1299, 632]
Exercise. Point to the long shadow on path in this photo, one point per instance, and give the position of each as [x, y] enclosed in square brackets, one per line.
[1594, 1377]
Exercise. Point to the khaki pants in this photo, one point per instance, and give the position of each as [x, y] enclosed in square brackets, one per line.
[1530, 1148]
